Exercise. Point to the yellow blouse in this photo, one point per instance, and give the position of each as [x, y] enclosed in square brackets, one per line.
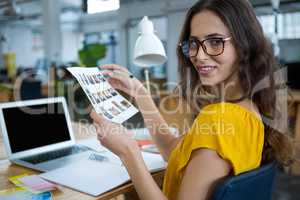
[231, 130]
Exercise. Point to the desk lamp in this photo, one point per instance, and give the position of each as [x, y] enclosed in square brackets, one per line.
[148, 50]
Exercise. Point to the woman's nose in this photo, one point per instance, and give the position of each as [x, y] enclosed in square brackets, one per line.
[201, 55]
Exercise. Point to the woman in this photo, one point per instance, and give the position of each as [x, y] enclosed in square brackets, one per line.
[222, 54]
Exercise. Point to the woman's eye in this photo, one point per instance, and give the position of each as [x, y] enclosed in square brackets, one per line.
[193, 44]
[215, 42]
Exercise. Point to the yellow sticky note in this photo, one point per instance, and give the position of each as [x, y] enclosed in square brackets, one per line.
[15, 179]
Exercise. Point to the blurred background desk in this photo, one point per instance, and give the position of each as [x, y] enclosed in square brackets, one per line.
[28, 90]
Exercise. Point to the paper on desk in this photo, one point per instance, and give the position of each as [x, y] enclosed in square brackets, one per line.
[104, 98]
[154, 162]
[89, 176]
[95, 176]
[20, 194]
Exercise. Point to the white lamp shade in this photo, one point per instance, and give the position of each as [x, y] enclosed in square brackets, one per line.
[149, 50]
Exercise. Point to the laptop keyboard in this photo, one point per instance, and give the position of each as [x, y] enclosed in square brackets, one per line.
[55, 154]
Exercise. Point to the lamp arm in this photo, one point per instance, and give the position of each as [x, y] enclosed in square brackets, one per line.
[147, 79]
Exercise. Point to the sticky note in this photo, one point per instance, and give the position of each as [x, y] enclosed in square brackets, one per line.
[15, 179]
[36, 183]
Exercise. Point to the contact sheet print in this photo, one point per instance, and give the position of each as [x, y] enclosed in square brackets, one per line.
[104, 98]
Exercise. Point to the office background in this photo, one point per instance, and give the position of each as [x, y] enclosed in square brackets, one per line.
[40, 38]
[40, 32]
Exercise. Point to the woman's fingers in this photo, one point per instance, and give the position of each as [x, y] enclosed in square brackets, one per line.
[114, 67]
[99, 124]
[108, 73]
[116, 84]
[97, 118]
[118, 75]
[116, 71]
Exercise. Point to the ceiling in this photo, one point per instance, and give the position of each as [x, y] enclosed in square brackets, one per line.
[268, 2]
[131, 1]
[78, 3]
[20, 9]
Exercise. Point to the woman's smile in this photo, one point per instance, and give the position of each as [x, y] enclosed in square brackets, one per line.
[205, 70]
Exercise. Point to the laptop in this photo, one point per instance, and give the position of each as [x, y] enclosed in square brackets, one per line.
[38, 134]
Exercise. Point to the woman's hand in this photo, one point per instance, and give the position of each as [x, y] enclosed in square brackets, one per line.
[120, 78]
[114, 136]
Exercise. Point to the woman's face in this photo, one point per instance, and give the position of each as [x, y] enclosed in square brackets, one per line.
[212, 70]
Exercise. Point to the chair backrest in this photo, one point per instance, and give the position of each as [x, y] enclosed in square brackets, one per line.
[257, 184]
[31, 89]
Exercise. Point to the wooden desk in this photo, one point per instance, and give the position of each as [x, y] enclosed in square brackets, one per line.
[5, 92]
[81, 132]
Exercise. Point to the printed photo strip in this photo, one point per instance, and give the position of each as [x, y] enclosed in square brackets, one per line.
[104, 98]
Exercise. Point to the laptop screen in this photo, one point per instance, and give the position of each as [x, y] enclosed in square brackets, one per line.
[35, 126]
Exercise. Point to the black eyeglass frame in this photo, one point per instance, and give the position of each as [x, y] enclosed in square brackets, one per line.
[201, 43]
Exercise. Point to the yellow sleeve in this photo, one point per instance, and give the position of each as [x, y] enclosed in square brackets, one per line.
[236, 135]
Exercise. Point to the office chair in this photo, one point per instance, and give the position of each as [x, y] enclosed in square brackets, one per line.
[31, 89]
[257, 184]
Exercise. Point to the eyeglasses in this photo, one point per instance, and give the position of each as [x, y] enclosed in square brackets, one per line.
[211, 46]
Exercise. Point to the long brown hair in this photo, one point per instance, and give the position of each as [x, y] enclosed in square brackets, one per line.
[256, 62]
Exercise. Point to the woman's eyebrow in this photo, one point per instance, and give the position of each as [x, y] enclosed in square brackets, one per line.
[214, 35]
[209, 36]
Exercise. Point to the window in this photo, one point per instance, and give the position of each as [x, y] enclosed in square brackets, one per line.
[98, 6]
[288, 25]
[268, 24]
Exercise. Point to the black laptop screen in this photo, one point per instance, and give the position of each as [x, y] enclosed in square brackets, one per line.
[35, 126]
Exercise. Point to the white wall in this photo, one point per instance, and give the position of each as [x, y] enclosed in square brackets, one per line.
[20, 39]
[98, 22]
[27, 55]
[71, 42]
